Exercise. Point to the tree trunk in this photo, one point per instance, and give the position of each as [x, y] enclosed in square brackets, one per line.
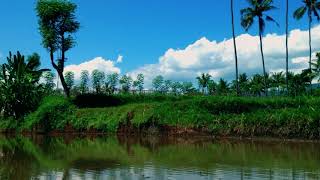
[263, 65]
[287, 49]
[310, 46]
[59, 70]
[235, 49]
[66, 89]
[310, 51]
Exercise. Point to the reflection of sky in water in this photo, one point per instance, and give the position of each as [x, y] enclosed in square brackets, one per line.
[162, 173]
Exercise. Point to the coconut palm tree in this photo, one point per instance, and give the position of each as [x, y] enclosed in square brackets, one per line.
[316, 66]
[256, 84]
[258, 10]
[244, 83]
[277, 80]
[212, 87]
[222, 87]
[310, 7]
[203, 81]
[287, 45]
[235, 49]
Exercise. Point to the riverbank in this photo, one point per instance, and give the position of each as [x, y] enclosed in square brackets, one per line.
[215, 116]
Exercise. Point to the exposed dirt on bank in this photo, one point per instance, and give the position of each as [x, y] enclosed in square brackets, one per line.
[150, 128]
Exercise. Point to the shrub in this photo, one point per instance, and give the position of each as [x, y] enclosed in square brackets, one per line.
[103, 100]
[97, 100]
[8, 124]
[53, 113]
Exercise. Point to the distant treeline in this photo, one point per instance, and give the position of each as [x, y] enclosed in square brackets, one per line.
[99, 83]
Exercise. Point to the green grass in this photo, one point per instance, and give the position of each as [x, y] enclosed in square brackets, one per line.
[53, 113]
[229, 116]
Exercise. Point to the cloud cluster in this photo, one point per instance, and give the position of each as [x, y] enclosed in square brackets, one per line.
[107, 66]
[217, 58]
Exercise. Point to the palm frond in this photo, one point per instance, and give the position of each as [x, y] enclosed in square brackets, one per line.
[268, 8]
[247, 21]
[266, 3]
[300, 12]
[315, 13]
[269, 18]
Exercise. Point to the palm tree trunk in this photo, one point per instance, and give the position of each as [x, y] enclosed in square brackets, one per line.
[310, 46]
[310, 50]
[263, 65]
[235, 49]
[287, 49]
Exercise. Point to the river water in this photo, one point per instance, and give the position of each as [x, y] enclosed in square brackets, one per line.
[172, 158]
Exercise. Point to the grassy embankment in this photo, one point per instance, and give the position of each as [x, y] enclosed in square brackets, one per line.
[222, 116]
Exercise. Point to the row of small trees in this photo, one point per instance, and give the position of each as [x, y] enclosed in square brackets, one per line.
[98, 82]
[254, 86]
[279, 82]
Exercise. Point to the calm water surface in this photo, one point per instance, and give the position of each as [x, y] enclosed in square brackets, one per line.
[156, 158]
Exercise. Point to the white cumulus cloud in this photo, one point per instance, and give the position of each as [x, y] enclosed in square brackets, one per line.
[217, 58]
[120, 59]
[107, 66]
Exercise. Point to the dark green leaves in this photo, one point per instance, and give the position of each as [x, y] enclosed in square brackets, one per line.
[19, 87]
[299, 13]
[257, 9]
[57, 19]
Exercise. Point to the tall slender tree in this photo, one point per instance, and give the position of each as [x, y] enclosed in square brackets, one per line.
[310, 7]
[235, 48]
[57, 23]
[287, 45]
[258, 10]
[84, 80]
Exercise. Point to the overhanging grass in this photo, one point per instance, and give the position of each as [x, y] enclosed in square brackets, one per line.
[109, 119]
[283, 117]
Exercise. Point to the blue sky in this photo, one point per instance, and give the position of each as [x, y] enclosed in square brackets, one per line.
[141, 30]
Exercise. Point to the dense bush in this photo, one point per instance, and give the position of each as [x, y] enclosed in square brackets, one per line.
[53, 113]
[97, 100]
[103, 100]
[8, 124]
[20, 90]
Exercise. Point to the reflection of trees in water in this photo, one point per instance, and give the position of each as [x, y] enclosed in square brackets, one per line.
[15, 163]
[159, 158]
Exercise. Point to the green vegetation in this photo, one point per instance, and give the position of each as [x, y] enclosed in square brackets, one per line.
[222, 116]
[53, 113]
[57, 23]
[272, 104]
[19, 88]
